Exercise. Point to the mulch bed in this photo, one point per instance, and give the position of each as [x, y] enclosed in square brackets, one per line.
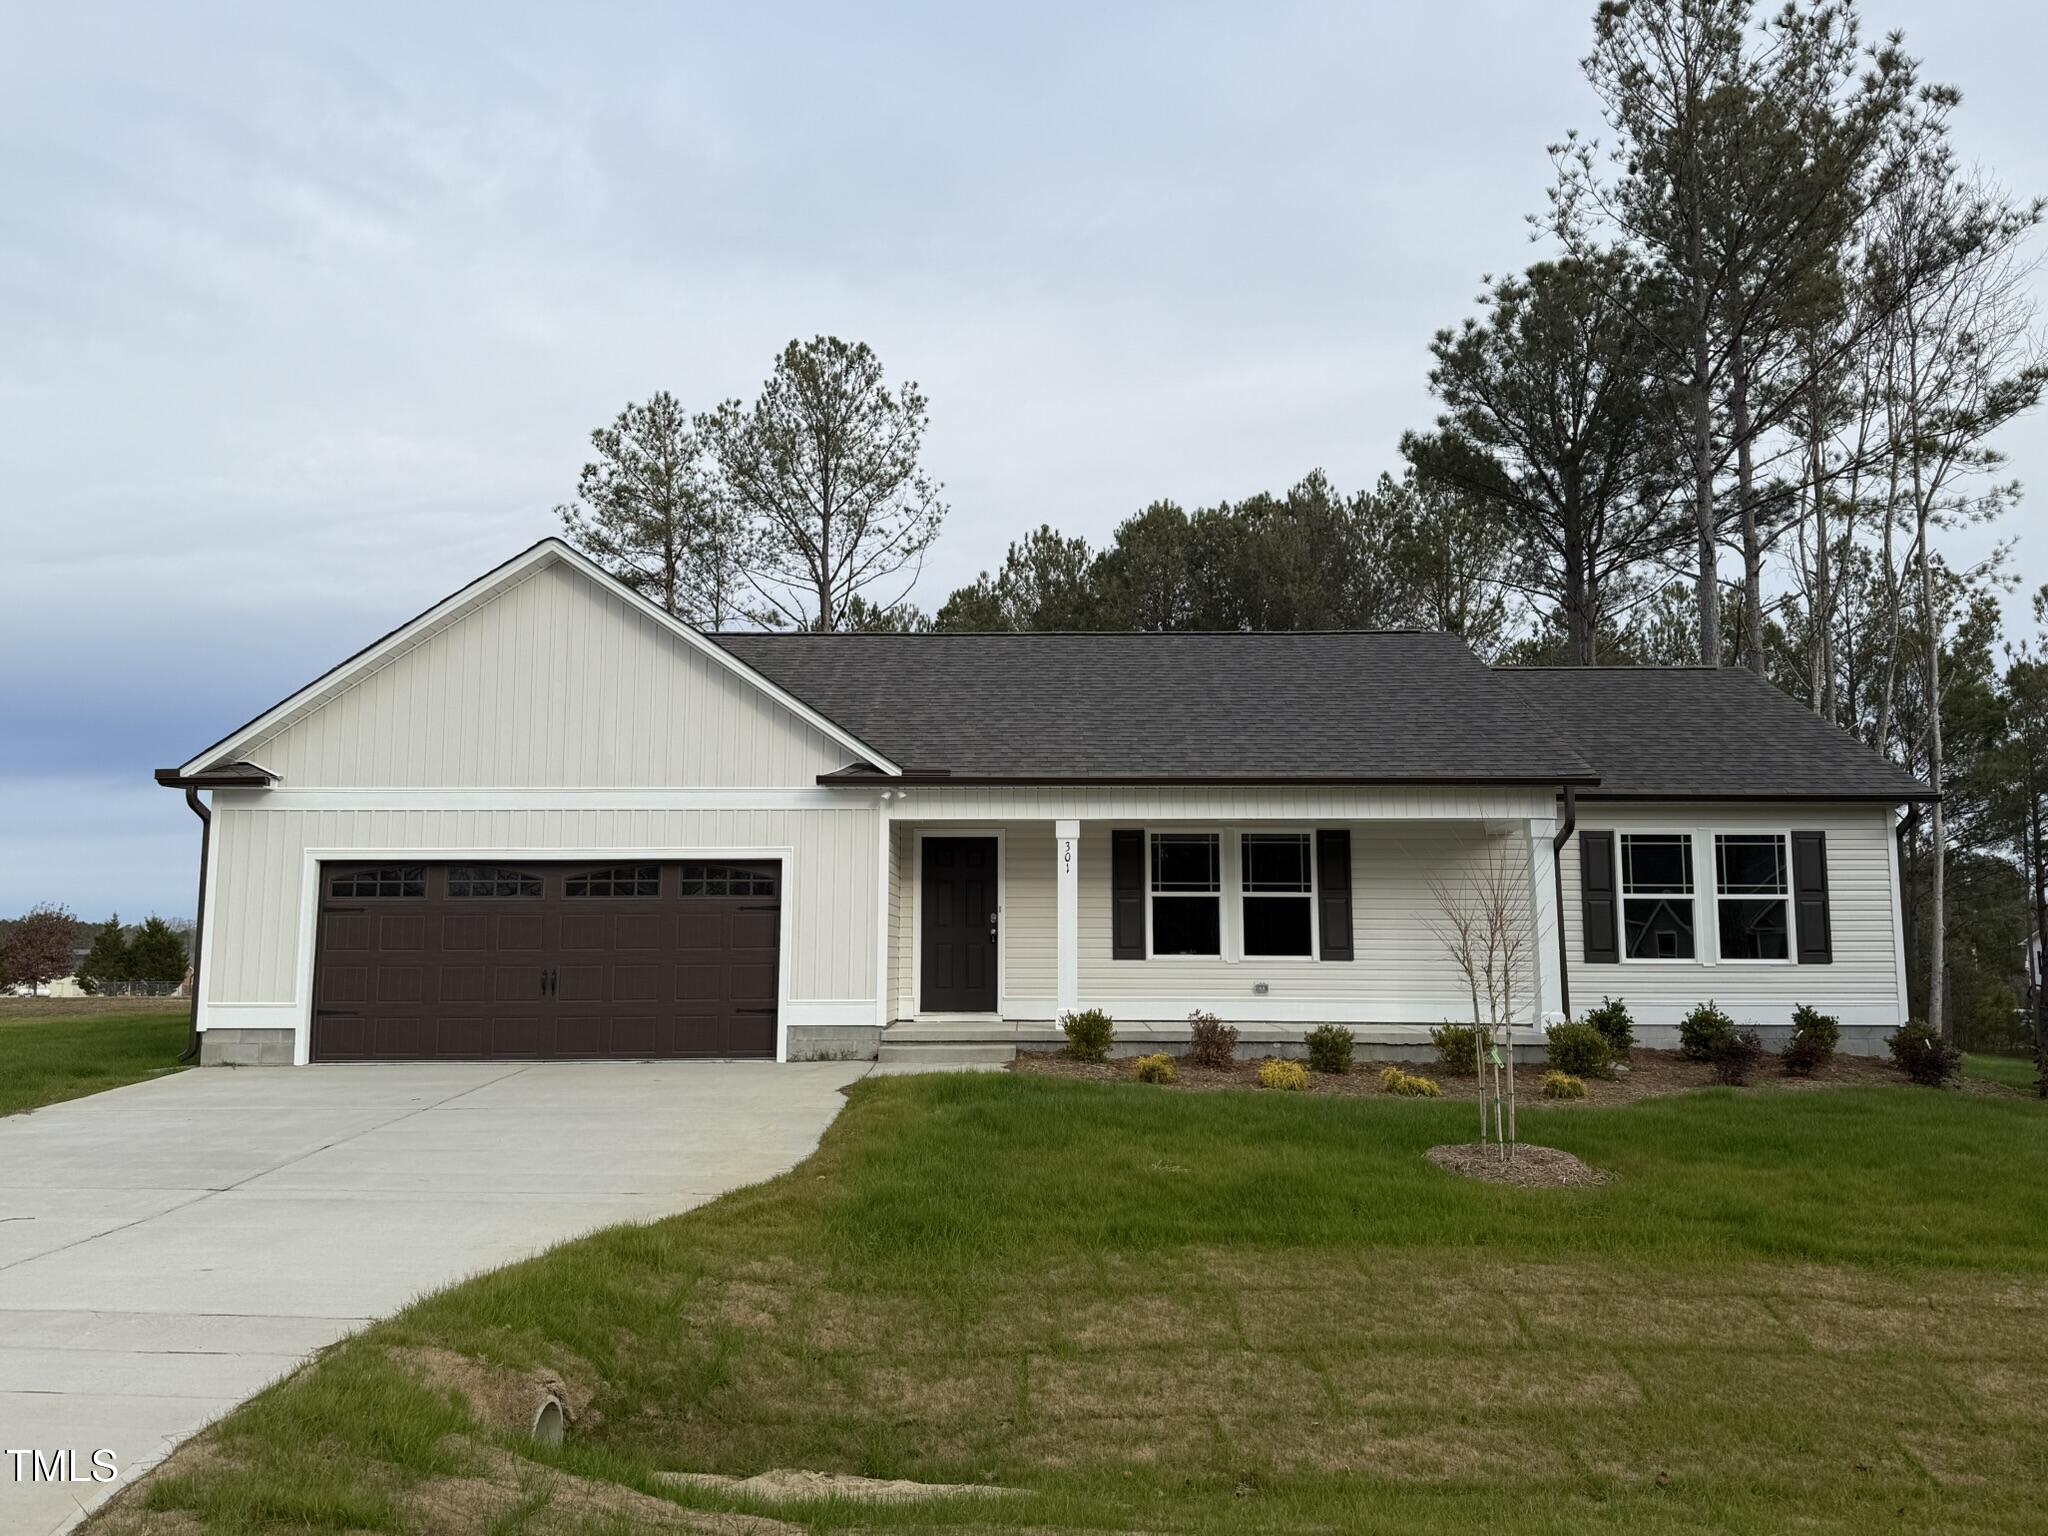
[1650, 1075]
[1531, 1167]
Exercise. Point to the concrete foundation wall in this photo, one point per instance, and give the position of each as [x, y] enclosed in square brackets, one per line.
[246, 1048]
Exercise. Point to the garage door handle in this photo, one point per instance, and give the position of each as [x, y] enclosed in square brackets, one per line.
[753, 1010]
[337, 1013]
[760, 906]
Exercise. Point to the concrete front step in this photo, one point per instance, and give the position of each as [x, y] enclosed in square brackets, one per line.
[947, 1053]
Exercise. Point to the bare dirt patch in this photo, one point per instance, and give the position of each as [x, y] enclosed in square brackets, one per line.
[1531, 1167]
[499, 1397]
[1646, 1075]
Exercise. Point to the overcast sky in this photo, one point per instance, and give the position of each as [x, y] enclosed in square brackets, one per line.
[306, 312]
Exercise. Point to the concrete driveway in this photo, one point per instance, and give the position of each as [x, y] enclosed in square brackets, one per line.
[169, 1248]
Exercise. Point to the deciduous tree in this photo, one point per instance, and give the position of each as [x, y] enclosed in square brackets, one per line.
[42, 946]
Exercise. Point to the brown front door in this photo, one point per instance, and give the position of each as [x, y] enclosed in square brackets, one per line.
[957, 969]
[537, 961]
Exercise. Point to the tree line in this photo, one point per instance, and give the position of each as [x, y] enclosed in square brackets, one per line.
[1733, 417]
[47, 943]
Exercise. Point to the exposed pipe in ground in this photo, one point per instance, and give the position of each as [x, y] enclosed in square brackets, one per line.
[199, 809]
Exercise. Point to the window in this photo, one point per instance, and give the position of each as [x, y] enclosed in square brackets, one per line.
[1752, 891]
[624, 880]
[1279, 893]
[727, 880]
[393, 880]
[1187, 893]
[468, 881]
[1656, 896]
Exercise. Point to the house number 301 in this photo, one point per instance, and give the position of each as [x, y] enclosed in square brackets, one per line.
[1066, 855]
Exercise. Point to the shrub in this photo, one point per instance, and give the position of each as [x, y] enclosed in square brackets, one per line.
[1562, 1085]
[1701, 1032]
[1457, 1048]
[1923, 1055]
[1287, 1076]
[1153, 1069]
[1329, 1049]
[1408, 1084]
[1814, 1035]
[1612, 1020]
[1736, 1055]
[1089, 1034]
[1211, 1043]
[1580, 1050]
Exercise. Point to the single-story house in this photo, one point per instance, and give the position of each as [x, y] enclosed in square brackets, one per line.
[546, 819]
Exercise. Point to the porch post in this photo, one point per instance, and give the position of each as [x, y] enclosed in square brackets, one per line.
[1067, 852]
[1543, 919]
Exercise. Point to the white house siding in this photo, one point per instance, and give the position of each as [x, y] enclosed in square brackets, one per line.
[550, 682]
[1864, 987]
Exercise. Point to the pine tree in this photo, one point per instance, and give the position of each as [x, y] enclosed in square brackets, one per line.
[107, 966]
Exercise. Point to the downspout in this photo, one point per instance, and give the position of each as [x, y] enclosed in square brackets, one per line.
[191, 1051]
[1564, 835]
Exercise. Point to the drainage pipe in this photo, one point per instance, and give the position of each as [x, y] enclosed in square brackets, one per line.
[1564, 958]
[191, 1051]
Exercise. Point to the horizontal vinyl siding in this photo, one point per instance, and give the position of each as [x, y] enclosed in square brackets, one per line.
[1327, 804]
[828, 909]
[552, 682]
[1401, 974]
[1861, 986]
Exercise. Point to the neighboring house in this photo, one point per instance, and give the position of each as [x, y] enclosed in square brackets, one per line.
[545, 819]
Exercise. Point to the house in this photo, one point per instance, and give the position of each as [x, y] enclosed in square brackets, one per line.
[544, 819]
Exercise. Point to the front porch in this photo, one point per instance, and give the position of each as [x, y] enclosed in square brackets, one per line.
[1276, 910]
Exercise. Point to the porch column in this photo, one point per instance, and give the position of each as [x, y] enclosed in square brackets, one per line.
[1067, 851]
[1544, 976]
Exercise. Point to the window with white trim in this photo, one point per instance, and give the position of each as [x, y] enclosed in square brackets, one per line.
[1278, 895]
[1186, 894]
[1752, 896]
[1657, 896]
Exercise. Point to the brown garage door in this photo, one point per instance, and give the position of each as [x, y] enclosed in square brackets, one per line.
[539, 961]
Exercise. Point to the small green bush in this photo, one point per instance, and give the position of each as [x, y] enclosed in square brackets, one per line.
[1580, 1050]
[1701, 1032]
[1457, 1048]
[1211, 1043]
[1923, 1055]
[1736, 1055]
[1089, 1034]
[1329, 1049]
[1408, 1084]
[1814, 1037]
[1153, 1069]
[1612, 1020]
[1562, 1085]
[1287, 1076]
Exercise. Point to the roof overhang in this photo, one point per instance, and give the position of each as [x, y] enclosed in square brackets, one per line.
[220, 776]
[848, 776]
[547, 552]
[1804, 797]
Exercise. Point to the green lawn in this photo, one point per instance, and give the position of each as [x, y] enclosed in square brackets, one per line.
[1157, 1311]
[2010, 1071]
[46, 1056]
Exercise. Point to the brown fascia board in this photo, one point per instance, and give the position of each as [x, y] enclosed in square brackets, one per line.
[226, 776]
[1866, 796]
[1242, 780]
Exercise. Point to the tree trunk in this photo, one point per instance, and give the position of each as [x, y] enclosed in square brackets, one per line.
[2037, 848]
[1937, 917]
[1707, 586]
[1578, 616]
[1745, 504]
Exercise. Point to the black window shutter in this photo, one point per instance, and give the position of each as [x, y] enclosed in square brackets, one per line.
[1333, 891]
[1598, 909]
[1127, 895]
[1810, 897]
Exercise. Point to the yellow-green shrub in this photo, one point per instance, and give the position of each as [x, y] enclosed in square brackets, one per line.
[1562, 1085]
[1090, 1033]
[1408, 1085]
[1153, 1069]
[1287, 1076]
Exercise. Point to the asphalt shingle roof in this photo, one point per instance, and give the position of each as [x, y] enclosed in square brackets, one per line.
[1364, 706]
[1702, 733]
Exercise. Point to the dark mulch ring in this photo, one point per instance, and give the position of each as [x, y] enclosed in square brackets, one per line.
[1526, 1167]
[1648, 1075]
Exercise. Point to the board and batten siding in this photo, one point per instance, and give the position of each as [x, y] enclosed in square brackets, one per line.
[259, 895]
[551, 682]
[1863, 987]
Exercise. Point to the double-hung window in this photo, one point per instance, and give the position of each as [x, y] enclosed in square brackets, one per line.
[1657, 896]
[1752, 896]
[1279, 893]
[1187, 893]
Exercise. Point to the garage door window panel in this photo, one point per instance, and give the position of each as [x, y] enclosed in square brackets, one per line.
[482, 882]
[386, 883]
[627, 880]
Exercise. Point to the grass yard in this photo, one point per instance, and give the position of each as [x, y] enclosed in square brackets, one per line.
[57, 1048]
[2007, 1071]
[1819, 1311]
